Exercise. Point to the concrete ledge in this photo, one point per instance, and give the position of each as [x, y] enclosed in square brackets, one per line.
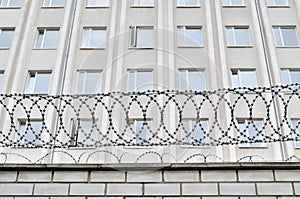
[155, 166]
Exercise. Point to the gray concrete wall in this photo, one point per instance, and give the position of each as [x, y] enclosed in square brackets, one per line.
[195, 181]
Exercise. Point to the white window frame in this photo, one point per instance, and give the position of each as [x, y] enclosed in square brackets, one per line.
[8, 4]
[297, 131]
[184, 36]
[189, 134]
[35, 73]
[51, 4]
[44, 35]
[89, 31]
[132, 132]
[233, 5]
[282, 38]
[133, 33]
[238, 72]
[186, 77]
[273, 3]
[75, 132]
[137, 3]
[95, 5]
[85, 72]
[7, 29]
[182, 3]
[234, 36]
[22, 134]
[136, 86]
[248, 122]
[1, 80]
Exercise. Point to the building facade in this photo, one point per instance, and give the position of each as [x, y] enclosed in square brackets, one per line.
[141, 54]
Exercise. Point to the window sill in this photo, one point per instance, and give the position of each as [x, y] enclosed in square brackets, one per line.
[52, 7]
[250, 46]
[92, 48]
[274, 6]
[96, 7]
[197, 6]
[11, 7]
[240, 6]
[44, 49]
[287, 46]
[264, 146]
[4, 48]
[190, 46]
[133, 6]
[141, 48]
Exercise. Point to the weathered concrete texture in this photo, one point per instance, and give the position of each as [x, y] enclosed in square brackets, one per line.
[191, 181]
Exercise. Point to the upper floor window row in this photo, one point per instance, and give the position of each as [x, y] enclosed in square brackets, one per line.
[97, 3]
[143, 3]
[188, 3]
[54, 3]
[11, 3]
[233, 3]
[277, 2]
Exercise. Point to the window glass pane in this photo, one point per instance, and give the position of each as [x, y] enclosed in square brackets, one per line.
[242, 36]
[144, 81]
[248, 79]
[183, 80]
[200, 129]
[143, 2]
[289, 37]
[180, 2]
[295, 76]
[237, 2]
[254, 130]
[30, 84]
[141, 131]
[98, 38]
[86, 133]
[6, 37]
[131, 81]
[194, 37]
[86, 37]
[235, 79]
[1, 80]
[51, 39]
[277, 36]
[191, 2]
[12, 3]
[47, 2]
[296, 126]
[285, 76]
[29, 134]
[95, 3]
[39, 39]
[92, 84]
[196, 80]
[42, 83]
[145, 37]
[230, 36]
[58, 3]
[226, 2]
[80, 82]
[181, 37]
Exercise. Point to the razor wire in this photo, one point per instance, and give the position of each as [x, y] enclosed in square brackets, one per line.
[237, 116]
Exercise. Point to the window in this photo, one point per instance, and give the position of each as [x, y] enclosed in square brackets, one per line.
[195, 131]
[6, 37]
[98, 3]
[190, 36]
[141, 36]
[140, 80]
[290, 76]
[285, 36]
[47, 38]
[250, 133]
[188, 3]
[88, 82]
[244, 78]
[83, 132]
[238, 36]
[139, 132]
[192, 80]
[233, 3]
[94, 37]
[54, 3]
[11, 3]
[38, 83]
[29, 133]
[277, 3]
[1, 80]
[143, 2]
[296, 129]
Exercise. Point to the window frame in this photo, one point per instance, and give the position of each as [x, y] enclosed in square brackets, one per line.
[136, 71]
[234, 36]
[273, 4]
[133, 5]
[42, 45]
[22, 142]
[12, 37]
[85, 72]
[51, 4]
[74, 132]
[185, 37]
[131, 132]
[194, 127]
[233, 5]
[238, 71]
[283, 45]
[97, 6]
[35, 73]
[186, 77]
[8, 4]
[188, 6]
[133, 37]
[247, 122]
[90, 31]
